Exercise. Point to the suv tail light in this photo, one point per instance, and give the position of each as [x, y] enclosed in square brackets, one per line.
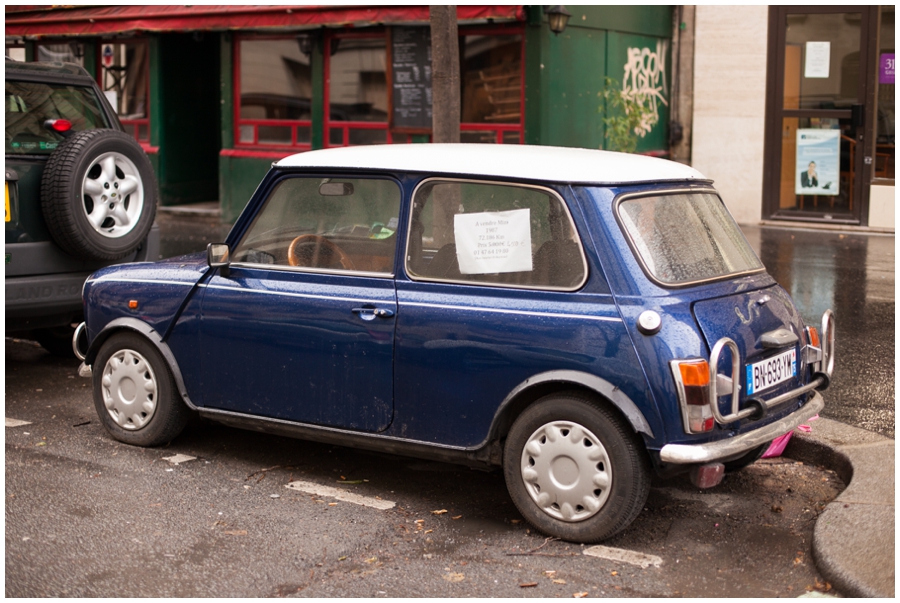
[692, 383]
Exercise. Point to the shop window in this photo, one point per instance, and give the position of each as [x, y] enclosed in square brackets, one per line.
[125, 79]
[357, 91]
[491, 88]
[65, 52]
[274, 86]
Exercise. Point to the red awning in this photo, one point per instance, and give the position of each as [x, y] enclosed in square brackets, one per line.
[55, 20]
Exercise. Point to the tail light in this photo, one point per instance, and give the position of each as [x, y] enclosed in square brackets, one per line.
[692, 383]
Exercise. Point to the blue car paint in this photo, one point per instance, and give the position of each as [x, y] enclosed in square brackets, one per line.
[456, 351]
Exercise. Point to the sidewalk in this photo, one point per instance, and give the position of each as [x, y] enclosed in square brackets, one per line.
[853, 541]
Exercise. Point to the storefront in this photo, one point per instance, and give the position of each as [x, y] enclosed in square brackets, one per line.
[216, 93]
[829, 114]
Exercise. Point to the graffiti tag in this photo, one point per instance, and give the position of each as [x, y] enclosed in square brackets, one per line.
[645, 82]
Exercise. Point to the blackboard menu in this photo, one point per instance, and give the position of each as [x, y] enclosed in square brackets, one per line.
[411, 79]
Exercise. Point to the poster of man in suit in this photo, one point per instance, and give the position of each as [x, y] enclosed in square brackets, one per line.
[818, 162]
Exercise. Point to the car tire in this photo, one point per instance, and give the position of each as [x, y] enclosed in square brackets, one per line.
[134, 392]
[57, 340]
[594, 477]
[99, 195]
[746, 460]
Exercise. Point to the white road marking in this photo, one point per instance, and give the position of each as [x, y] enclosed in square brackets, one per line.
[341, 494]
[16, 422]
[625, 556]
[179, 458]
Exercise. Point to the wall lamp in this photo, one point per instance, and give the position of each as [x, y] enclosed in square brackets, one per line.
[558, 17]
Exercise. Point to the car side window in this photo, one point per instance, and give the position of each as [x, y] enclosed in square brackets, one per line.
[497, 234]
[330, 224]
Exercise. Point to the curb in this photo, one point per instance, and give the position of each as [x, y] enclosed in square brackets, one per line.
[853, 540]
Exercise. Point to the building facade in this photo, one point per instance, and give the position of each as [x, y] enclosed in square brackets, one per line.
[790, 110]
[216, 93]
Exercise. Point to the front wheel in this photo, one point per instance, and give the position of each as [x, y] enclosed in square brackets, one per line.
[574, 469]
[134, 392]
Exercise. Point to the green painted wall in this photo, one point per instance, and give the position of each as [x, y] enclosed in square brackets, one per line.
[238, 179]
[564, 73]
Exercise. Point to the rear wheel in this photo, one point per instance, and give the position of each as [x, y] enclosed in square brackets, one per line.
[134, 392]
[574, 469]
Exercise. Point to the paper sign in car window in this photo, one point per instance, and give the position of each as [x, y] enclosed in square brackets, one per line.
[493, 242]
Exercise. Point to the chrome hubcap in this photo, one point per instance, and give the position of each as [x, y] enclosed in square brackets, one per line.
[112, 195]
[129, 389]
[566, 471]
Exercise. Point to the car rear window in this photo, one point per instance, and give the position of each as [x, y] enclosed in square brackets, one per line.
[686, 237]
[30, 104]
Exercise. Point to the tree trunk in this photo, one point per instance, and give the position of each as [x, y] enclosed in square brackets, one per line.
[445, 110]
[445, 93]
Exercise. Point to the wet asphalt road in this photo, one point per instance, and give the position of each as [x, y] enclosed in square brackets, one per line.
[88, 516]
[853, 274]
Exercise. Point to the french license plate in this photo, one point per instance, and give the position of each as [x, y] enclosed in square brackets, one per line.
[771, 371]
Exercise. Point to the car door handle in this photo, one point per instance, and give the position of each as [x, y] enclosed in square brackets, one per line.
[371, 313]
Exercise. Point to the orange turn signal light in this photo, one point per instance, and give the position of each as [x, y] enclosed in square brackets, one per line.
[813, 336]
[694, 373]
[133, 304]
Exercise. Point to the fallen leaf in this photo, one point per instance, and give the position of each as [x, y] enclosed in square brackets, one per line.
[454, 577]
[332, 504]
[429, 531]
[559, 581]
[371, 559]
[441, 512]
[342, 558]
[515, 521]
[236, 532]
[579, 595]
[528, 585]
[457, 517]
[550, 573]
[615, 573]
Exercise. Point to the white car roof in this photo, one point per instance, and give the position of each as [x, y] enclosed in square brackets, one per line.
[528, 162]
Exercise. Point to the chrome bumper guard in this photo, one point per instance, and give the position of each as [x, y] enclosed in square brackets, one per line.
[821, 361]
[79, 341]
[682, 454]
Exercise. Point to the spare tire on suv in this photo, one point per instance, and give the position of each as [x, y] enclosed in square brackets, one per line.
[98, 194]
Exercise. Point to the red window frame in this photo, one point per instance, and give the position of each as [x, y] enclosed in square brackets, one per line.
[255, 124]
[497, 130]
[346, 126]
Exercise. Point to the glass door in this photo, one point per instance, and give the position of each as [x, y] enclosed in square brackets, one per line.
[816, 117]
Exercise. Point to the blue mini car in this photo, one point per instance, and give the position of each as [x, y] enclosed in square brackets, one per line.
[582, 319]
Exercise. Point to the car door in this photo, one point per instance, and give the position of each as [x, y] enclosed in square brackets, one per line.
[300, 326]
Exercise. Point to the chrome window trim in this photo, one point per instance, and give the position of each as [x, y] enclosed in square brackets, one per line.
[516, 312]
[450, 179]
[617, 202]
[305, 270]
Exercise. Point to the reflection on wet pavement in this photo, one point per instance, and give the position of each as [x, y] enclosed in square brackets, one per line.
[853, 274]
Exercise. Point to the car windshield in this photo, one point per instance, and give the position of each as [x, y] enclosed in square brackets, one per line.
[686, 238]
[30, 104]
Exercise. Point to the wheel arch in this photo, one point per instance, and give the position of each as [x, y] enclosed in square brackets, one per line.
[134, 325]
[543, 384]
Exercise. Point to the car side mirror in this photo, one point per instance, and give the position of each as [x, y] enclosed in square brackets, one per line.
[219, 256]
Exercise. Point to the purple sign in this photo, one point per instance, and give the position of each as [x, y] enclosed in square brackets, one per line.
[886, 72]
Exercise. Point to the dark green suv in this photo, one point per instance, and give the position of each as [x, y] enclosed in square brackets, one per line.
[80, 195]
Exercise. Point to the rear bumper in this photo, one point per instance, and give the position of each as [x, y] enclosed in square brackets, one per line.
[683, 454]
